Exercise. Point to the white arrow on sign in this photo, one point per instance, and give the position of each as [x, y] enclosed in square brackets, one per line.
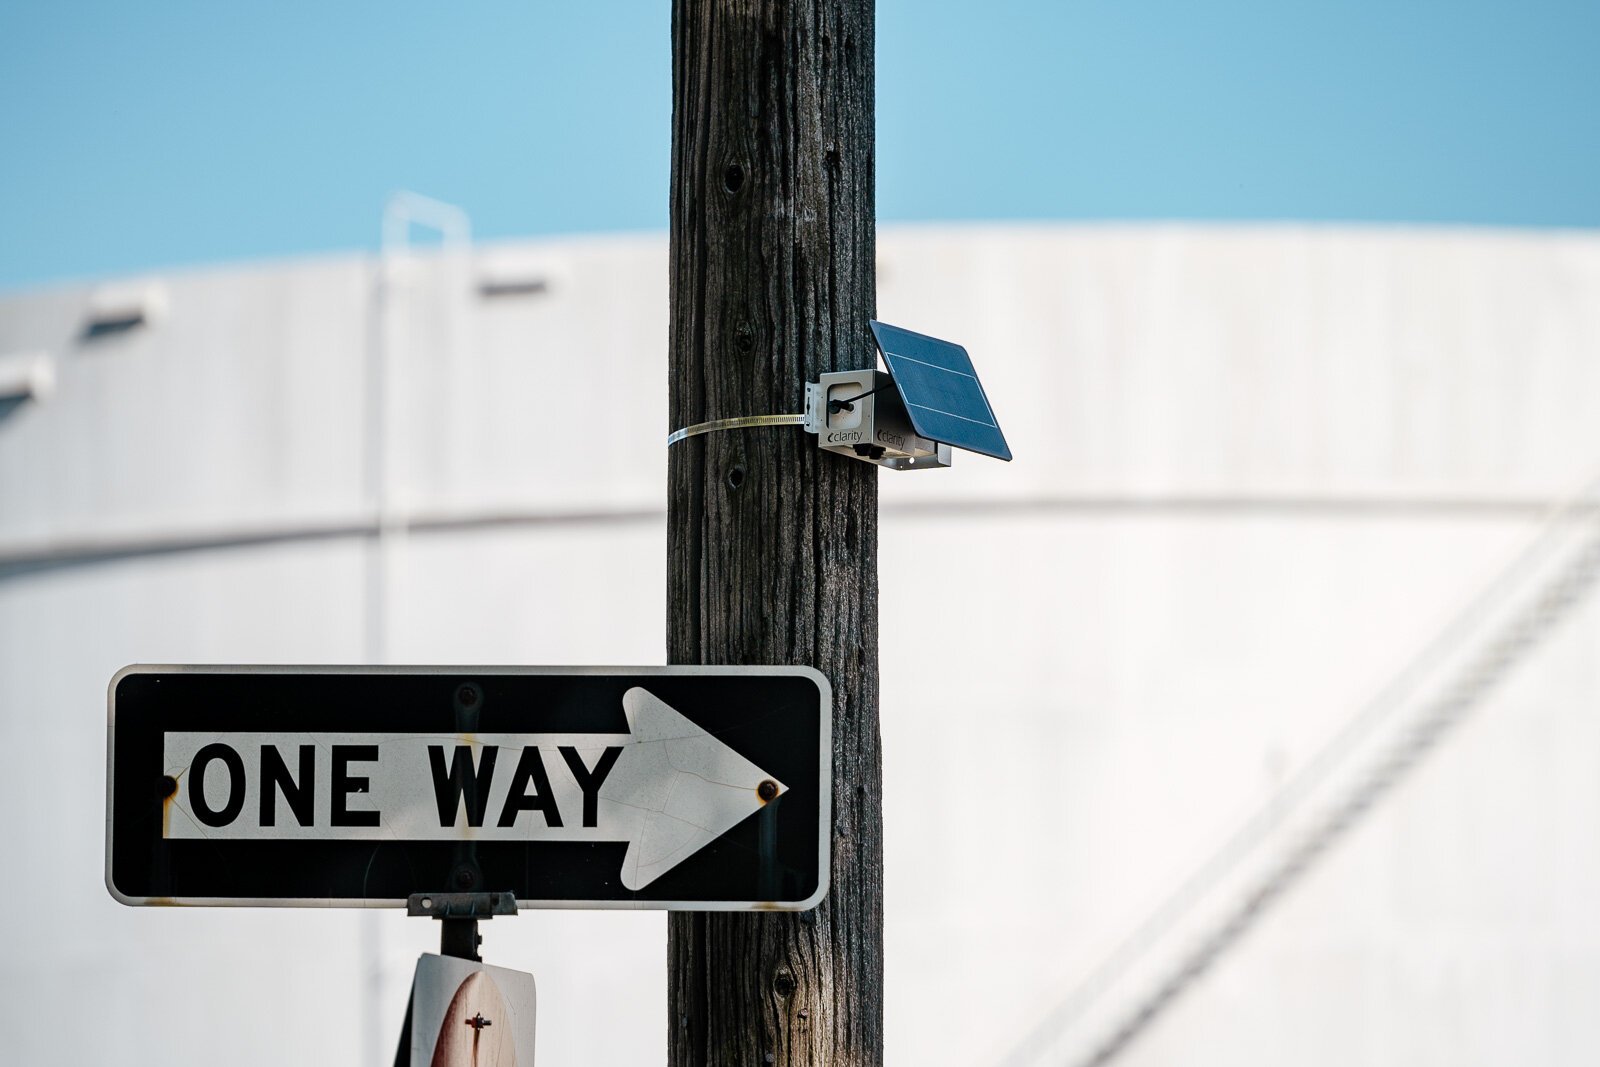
[666, 787]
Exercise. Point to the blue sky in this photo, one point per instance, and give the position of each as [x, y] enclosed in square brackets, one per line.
[141, 135]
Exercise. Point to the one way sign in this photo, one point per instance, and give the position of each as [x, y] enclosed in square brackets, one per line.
[660, 787]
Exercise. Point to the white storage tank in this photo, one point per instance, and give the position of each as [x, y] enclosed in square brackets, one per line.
[1260, 472]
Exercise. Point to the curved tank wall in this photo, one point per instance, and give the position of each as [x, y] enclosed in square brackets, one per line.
[1259, 470]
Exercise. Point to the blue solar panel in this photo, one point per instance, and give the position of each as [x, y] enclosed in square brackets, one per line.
[942, 394]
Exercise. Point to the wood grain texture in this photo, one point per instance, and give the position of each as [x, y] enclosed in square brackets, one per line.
[772, 543]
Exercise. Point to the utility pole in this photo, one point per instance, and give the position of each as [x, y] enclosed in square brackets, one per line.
[772, 543]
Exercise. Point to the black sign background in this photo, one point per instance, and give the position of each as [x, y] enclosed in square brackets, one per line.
[776, 720]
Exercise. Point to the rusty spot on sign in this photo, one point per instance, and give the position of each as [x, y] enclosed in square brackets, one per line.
[168, 791]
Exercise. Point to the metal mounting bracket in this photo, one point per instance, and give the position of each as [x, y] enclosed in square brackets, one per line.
[458, 915]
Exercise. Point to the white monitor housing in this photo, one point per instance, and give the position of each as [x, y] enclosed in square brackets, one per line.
[859, 413]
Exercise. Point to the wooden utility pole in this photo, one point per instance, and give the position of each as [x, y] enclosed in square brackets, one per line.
[772, 543]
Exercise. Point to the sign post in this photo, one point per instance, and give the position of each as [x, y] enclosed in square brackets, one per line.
[700, 788]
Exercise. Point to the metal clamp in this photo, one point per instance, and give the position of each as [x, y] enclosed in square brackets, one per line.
[461, 905]
[458, 915]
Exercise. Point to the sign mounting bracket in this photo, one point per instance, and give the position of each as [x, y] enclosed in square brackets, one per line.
[458, 915]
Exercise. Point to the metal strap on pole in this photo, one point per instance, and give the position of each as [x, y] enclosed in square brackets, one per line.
[734, 424]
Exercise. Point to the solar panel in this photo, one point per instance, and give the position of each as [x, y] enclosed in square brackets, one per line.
[941, 391]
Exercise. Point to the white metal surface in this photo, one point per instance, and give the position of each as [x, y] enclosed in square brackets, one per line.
[468, 1014]
[26, 376]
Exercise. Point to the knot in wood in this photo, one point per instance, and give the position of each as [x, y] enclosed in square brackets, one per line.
[783, 984]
